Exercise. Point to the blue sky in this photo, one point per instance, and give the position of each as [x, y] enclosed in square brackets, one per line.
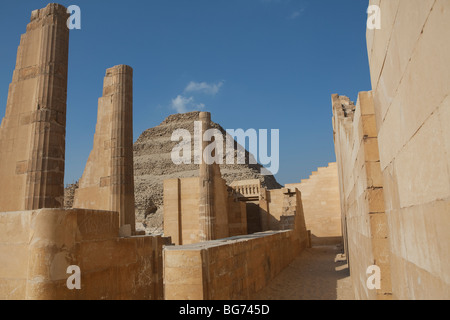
[262, 64]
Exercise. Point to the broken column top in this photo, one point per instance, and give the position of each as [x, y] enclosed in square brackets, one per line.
[51, 9]
[205, 116]
[118, 70]
[343, 106]
[117, 77]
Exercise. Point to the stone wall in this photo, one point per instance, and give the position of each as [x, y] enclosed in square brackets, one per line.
[37, 247]
[248, 193]
[410, 73]
[233, 268]
[237, 217]
[321, 205]
[361, 191]
[182, 216]
[282, 209]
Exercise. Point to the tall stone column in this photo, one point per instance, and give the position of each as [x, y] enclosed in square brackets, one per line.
[207, 217]
[122, 175]
[108, 179]
[32, 134]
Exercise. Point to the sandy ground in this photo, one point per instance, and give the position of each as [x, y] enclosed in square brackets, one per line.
[319, 273]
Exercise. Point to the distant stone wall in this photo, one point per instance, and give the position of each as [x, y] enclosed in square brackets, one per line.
[281, 209]
[321, 205]
[182, 216]
[235, 268]
[153, 165]
[37, 247]
[410, 73]
[228, 269]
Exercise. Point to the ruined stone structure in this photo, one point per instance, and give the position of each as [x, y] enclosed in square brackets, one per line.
[32, 133]
[321, 204]
[233, 268]
[237, 265]
[39, 241]
[153, 165]
[183, 220]
[200, 215]
[396, 209]
[229, 239]
[268, 209]
[248, 192]
[37, 247]
[282, 209]
[108, 180]
[206, 205]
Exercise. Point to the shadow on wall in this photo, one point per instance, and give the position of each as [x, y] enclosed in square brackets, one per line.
[282, 223]
[254, 223]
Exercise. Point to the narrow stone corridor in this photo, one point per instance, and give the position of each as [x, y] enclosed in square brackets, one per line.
[319, 273]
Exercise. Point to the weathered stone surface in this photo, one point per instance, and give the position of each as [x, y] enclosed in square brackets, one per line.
[32, 134]
[207, 214]
[410, 76]
[182, 211]
[153, 165]
[233, 268]
[240, 209]
[107, 182]
[35, 259]
[364, 220]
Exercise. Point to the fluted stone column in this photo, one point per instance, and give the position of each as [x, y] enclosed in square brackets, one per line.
[122, 175]
[108, 179]
[207, 217]
[32, 134]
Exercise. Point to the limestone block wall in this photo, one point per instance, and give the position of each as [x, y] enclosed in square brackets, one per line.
[32, 133]
[233, 268]
[237, 217]
[321, 205]
[248, 194]
[182, 215]
[410, 73]
[282, 209]
[37, 247]
[361, 191]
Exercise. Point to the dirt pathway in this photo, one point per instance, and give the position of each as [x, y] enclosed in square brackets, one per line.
[319, 273]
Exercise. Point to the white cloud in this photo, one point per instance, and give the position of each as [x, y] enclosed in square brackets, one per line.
[180, 103]
[294, 15]
[203, 87]
[184, 104]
